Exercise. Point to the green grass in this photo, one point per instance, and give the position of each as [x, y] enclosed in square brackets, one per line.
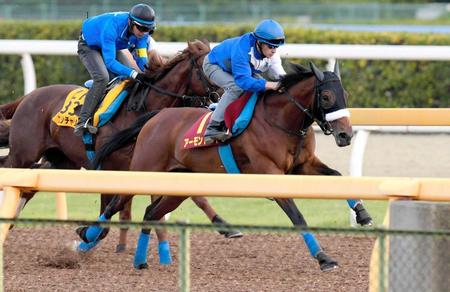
[319, 213]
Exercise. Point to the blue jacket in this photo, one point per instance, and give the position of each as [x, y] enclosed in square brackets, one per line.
[109, 33]
[234, 56]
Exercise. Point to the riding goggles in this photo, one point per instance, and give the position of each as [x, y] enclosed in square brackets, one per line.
[272, 43]
[272, 46]
[144, 28]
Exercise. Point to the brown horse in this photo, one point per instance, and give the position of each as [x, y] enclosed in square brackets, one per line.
[33, 135]
[273, 143]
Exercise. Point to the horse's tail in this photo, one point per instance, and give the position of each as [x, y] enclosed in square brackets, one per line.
[4, 132]
[121, 139]
[8, 110]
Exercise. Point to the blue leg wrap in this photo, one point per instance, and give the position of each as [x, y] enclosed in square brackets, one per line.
[311, 243]
[165, 258]
[94, 231]
[352, 203]
[140, 255]
[85, 247]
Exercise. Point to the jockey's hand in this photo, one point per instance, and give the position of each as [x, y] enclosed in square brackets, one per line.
[270, 85]
[141, 78]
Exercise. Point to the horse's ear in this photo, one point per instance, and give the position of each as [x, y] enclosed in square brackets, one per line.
[336, 70]
[319, 74]
[205, 41]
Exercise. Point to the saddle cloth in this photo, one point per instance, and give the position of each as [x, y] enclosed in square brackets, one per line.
[237, 117]
[67, 117]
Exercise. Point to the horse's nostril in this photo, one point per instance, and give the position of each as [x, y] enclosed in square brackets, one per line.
[343, 135]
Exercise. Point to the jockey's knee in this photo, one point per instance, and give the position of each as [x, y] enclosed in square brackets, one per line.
[101, 81]
[234, 89]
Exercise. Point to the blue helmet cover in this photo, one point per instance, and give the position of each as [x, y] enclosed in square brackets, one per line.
[270, 32]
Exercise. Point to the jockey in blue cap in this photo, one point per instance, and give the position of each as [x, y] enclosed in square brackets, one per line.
[234, 65]
[102, 37]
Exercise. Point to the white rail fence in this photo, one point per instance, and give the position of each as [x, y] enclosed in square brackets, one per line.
[26, 48]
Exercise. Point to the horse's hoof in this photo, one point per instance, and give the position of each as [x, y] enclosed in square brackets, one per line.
[120, 248]
[329, 267]
[104, 233]
[362, 216]
[81, 231]
[141, 266]
[233, 234]
[326, 263]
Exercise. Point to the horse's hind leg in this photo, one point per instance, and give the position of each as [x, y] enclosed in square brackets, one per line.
[26, 196]
[124, 215]
[154, 211]
[206, 207]
[326, 263]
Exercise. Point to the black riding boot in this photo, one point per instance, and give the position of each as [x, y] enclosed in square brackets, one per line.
[227, 233]
[84, 119]
[216, 131]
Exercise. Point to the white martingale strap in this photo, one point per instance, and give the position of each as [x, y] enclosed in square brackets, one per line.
[337, 115]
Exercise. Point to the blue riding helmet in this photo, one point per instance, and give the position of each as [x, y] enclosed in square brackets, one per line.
[143, 16]
[270, 32]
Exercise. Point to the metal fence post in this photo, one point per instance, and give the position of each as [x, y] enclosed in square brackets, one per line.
[381, 262]
[184, 260]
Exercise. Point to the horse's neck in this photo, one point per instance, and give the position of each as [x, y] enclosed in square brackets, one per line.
[279, 111]
[175, 81]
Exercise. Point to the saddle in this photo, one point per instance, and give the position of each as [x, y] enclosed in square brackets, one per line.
[237, 117]
[116, 93]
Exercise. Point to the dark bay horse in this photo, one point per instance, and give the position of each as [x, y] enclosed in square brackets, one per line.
[273, 143]
[33, 135]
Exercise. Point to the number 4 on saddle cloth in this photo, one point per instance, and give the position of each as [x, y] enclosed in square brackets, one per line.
[112, 101]
[237, 117]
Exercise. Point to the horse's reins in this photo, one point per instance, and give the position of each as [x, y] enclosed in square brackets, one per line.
[205, 81]
[321, 121]
[184, 97]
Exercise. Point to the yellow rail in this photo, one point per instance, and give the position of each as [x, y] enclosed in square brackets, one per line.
[243, 185]
[400, 116]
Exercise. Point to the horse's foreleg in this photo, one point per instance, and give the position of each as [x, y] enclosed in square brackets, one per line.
[203, 204]
[315, 167]
[165, 257]
[124, 215]
[153, 212]
[95, 233]
[326, 263]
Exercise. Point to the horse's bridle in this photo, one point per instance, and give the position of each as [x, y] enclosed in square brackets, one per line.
[184, 97]
[206, 83]
[317, 114]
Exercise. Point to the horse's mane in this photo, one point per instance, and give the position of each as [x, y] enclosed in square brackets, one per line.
[196, 48]
[300, 73]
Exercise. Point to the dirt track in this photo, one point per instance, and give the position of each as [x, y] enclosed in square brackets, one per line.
[36, 259]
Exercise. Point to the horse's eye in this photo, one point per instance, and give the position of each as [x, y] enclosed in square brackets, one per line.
[327, 99]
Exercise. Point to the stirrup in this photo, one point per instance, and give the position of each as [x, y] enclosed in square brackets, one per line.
[89, 127]
[218, 137]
